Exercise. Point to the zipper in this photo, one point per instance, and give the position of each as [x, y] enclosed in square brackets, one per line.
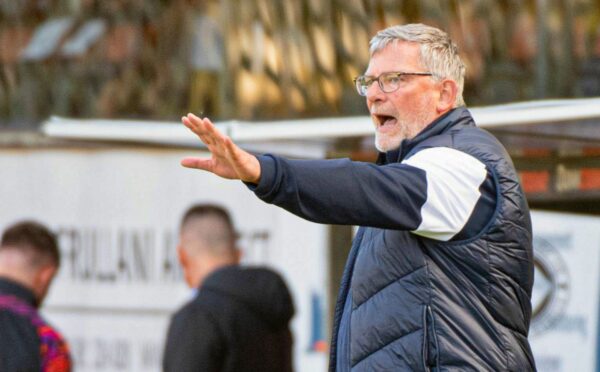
[425, 346]
[429, 340]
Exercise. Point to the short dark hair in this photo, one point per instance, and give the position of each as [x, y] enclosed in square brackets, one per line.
[203, 210]
[212, 211]
[33, 237]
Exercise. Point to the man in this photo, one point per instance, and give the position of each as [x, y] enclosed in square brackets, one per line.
[239, 318]
[206, 59]
[440, 275]
[29, 260]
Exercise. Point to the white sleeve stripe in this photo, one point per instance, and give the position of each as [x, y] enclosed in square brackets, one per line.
[453, 181]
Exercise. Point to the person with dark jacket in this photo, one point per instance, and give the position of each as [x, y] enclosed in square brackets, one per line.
[29, 259]
[439, 276]
[239, 318]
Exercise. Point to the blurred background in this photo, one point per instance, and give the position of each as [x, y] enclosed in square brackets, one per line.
[264, 59]
[91, 92]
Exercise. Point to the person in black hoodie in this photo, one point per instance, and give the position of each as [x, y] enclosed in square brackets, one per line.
[239, 318]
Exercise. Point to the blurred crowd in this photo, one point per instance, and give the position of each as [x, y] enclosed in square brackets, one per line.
[95, 59]
[267, 59]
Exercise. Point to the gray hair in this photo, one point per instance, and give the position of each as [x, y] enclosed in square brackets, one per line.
[439, 54]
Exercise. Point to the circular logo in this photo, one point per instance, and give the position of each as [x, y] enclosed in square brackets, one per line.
[551, 287]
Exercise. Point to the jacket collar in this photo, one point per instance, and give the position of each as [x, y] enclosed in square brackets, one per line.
[10, 287]
[440, 125]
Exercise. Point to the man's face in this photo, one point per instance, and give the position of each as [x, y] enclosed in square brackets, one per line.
[404, 113]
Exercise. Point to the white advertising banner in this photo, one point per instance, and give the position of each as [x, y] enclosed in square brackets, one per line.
[116, 213]
[564, 329]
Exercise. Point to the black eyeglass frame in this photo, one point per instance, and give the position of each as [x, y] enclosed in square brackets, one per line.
[377, 79]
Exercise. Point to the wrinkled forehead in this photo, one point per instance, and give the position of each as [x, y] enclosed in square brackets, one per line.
[402, 56]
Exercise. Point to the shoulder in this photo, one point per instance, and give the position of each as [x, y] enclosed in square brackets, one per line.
[478, 140]
[194, 341]
[194, 324]
[469, 140]
[193, 311]
[10, 320]
[208, 311]
[19, 342]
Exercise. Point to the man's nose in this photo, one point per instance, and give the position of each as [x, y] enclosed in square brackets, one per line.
[374, 93]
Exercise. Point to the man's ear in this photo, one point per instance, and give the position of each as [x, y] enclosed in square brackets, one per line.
[447, 97]
[46, 274]
[182, 255]
[42, 280]
[188, 266]
[237, 255]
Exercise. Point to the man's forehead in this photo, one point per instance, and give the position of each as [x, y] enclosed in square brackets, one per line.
[396, 56]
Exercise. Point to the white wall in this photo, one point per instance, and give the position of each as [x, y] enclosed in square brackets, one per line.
[564, 330]
[117, 213]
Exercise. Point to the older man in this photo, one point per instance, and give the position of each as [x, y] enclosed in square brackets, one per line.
[440, 274]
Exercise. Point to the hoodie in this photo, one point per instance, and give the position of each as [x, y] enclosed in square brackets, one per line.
[238, 321]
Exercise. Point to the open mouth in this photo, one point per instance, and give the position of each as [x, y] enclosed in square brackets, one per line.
[385, 120]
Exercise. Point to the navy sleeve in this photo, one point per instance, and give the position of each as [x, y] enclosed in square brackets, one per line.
[345, 192]
[440, 193]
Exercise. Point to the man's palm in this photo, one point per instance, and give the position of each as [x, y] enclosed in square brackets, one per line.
[227, 160]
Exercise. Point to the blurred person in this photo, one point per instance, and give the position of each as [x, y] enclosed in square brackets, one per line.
[589, 72]
[29, 260]
[239, 317]
[119, 96]
[206, 60]
[510, 76]
[440, 273]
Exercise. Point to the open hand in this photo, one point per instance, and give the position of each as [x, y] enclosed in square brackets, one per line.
[227, 160]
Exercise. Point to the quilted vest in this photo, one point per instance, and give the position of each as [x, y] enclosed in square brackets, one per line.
[421, 304]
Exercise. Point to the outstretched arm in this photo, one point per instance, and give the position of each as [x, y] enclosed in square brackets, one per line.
[227, 160]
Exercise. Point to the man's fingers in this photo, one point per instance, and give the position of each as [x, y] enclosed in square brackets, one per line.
[246, 165]
[234, 156]
[200, 124]
[197, 163]
[232, 150]
[196, 125]
[211, 131]
[203, 128]
[196, 128]
[194, 120]
[228, 160]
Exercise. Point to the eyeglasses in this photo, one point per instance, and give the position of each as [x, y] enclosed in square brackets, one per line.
[388, 81]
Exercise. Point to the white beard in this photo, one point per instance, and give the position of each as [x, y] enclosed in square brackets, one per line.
[408, 128]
